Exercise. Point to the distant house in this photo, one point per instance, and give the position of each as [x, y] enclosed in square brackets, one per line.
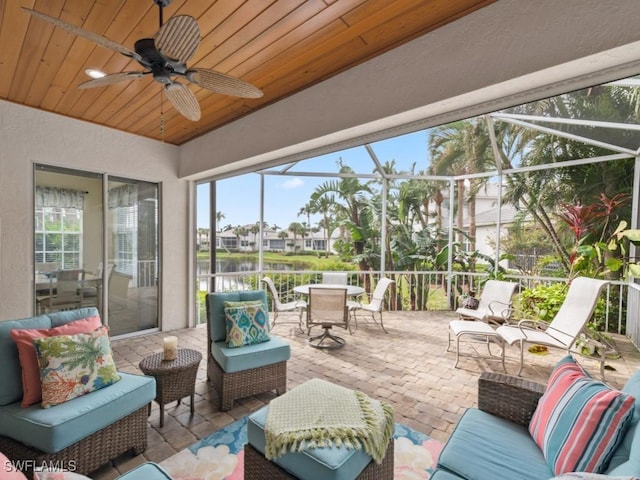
[272, 241]
[486, 219]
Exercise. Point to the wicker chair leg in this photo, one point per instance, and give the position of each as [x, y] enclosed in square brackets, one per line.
[231, 386]
[226, 400]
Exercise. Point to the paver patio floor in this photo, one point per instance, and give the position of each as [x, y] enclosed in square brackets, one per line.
[408, 367]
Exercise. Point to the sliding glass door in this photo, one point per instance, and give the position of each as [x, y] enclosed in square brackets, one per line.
[132, 237]
[97, 246]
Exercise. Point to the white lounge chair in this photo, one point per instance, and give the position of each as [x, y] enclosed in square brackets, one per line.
[495, 303]
[495, 307]
[569, 322]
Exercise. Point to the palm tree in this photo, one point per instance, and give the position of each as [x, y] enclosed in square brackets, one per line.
[255, 229]
[283, 235]
[541, 193]
[353, 213]
[297, 229]
[219, 217]
[307, 210]
[462, 148]
[324, 206]
[239, 231]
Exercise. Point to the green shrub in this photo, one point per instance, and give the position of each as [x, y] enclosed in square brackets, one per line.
[543, 302]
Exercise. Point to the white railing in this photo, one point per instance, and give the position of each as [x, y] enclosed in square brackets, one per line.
[147, 273]
[423, 291]
[633, 314]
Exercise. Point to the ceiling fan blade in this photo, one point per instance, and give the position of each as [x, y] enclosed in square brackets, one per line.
[94, 37]
[179, 38]
[112, 79]
[183, 100]
[222, 83]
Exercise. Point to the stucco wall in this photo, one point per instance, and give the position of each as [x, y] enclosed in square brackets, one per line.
[28, 136]
[460, 69]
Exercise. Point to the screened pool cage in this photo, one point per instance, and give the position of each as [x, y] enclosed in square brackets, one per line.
[621, 139]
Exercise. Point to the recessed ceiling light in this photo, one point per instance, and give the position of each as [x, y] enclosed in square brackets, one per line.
[93, 73]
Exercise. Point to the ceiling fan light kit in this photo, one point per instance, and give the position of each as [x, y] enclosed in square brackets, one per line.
[165, 58]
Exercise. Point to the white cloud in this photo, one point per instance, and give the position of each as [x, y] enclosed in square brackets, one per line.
[293, 183]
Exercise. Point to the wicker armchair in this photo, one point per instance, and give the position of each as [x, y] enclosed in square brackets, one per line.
[509, 397]
[242, 371]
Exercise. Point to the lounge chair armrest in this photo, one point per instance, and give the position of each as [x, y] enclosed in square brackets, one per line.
[501, 309]
[533, 324]
[509, 397]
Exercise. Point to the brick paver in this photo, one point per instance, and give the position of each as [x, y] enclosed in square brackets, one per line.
[408, 367]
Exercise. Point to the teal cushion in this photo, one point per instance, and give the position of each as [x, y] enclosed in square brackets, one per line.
[326, 463]
[626, 458]
[53, 429]
[215, 309]
[485, 447]
[146, 471]
[10, 369]
[441, 474]
[233, 360]
[66, 316]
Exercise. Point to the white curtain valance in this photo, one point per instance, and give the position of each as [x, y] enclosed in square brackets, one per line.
[59, 197]
[123, 196]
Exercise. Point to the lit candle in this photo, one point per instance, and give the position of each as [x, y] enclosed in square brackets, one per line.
[170, 348]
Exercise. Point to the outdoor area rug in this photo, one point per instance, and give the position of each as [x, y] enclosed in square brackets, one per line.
[220, 456]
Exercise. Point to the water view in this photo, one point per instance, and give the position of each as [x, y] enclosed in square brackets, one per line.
[237, 265]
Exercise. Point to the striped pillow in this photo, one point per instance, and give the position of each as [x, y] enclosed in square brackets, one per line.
[579, 421]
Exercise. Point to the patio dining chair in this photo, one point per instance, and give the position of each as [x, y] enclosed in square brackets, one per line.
[119, 290]
[374, 306]
[327, 308]
[64, 293]
[297, 306]
[334, 278]
[576, 310]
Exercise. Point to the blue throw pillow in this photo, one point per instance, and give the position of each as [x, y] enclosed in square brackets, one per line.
[247, 323]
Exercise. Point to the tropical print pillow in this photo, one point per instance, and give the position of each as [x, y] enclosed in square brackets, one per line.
[74, 365]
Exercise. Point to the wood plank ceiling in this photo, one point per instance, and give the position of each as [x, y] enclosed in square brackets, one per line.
[281, 46]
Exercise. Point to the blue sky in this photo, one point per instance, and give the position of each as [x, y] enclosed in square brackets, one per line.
[239, 197]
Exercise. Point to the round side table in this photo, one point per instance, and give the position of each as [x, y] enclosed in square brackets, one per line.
[175, 379]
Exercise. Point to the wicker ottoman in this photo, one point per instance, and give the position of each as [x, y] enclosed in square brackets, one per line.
[326, 463]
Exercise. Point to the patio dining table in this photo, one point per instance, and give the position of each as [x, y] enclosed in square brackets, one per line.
[46, 285]
[352, 290]
[44, 282]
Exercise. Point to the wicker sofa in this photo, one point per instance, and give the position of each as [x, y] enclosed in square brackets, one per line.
[248, 370]
[81, 434]
[493, 441]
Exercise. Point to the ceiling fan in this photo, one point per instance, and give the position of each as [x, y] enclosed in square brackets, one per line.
[165, 57]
